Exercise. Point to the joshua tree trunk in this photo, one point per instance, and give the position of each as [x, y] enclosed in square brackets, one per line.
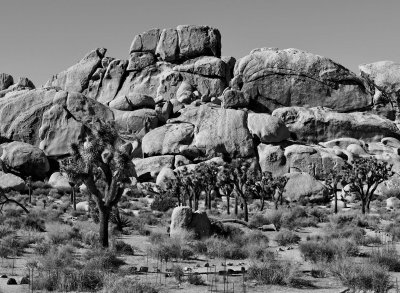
[209, 200]
[206, 202]
[363, 206]
[228, 210]
[104, 214]
[236, 205]
[246, 210]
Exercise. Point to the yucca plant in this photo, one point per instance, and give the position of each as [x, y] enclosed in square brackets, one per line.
[103, 155]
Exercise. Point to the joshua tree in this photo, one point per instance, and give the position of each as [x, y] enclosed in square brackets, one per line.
[208, 177]
[279, 184]
[332, 179]
[103, 155]
[242, 175]
[226, 186]
[365, 174]
[28, 183]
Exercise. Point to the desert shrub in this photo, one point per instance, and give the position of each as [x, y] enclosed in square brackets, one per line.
[340, 220]
[91, 238]
[148, 218]
[364, 277]
[274, 217]
[102, 259]
[61, 234]
[16, 245]
[35, 222]
[126, 284]
[327, 250]
[349, 232]
[219, 247]
[287, 237]
[259, 220]
[58, 258]
[371, 240]
[172, 248]
[6, 230]
[273, 273]
[42, 248]
[195, 279]
[387, 257]
[258, 252]
[157, 237]
[177, 272]
[394, 230]
[123, 248]
[163, 203]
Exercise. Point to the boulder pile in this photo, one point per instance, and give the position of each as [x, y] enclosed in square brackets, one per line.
[180, 102]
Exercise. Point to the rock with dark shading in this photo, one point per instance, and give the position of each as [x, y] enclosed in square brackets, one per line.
[6, 81]
[183, 220]
[218, 131]
[60, 182]
[151, 166]
[132, 102]
[303, 186]
[196, 40]
[111, 81]
[168, 139]
[11, 181]
[140, 60]
[234, 99]
[274, 78]
[76, 78]
[269, 129]
[167, 47]
[314, 125]
[25, 159]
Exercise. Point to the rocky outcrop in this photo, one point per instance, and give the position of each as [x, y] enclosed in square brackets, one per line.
[77, 77]
[315, 125]
[148, 168]
[24, 159]
[58, 181]
[184, 221]
[169, 139]
[269, 129]
[385, 77]
[274, 78]
[218, 131]
[314, 160]
[11, 181]
[303, 186]
[6, 81]
[63, 122]
[21, 114]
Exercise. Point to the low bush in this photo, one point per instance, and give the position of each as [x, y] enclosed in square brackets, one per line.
[273, 273]
[386, 257]
[6, 230]
[195, 279]
[102, 259]
[163, 203]
[287, 237]
[328, 250]
[123, 248]
[126, 284]
[362, 277]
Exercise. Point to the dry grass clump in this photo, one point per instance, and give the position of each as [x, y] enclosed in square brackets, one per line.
[287, 237]
[115, 284]
[362, 277]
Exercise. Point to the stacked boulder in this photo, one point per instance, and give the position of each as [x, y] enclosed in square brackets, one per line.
[179, 102]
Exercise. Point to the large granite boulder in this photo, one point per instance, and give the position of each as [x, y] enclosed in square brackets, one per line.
[218, 131]
[21, 114]
[76, 78]
[132, 102]
[111, 81]
[385, 77]
[62, 123]
[60, 182]
[168, 139]
[148, 168]
[137, 122]
[269, 129]
[184, 221]
[302, 186]
[25, 159]
[274, 78]
[6, 81]
[11, 181]
[197, 40]
[314, 160]
[312, 125]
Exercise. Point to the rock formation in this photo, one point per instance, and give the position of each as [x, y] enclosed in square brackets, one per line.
[179, 102]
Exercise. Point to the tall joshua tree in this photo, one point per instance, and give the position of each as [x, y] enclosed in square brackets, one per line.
[364, 175]
[208, 175]
[102, 156]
